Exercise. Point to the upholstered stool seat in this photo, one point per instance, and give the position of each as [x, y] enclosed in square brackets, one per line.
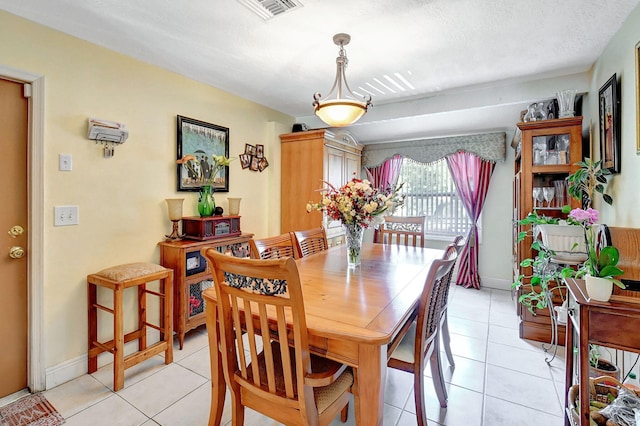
[117, 279]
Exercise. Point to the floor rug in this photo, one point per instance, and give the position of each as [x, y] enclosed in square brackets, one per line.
[32, 410]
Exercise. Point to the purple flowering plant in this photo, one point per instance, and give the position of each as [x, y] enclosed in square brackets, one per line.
[600, 263]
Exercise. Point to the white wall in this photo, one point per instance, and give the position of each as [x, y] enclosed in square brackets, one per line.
[619, 58]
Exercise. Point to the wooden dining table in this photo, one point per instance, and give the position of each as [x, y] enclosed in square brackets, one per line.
[351, 314]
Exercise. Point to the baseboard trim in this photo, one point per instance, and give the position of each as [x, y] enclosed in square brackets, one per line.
[78, 366]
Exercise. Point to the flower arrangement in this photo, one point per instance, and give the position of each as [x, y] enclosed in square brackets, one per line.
[201, 171]
[357, 202]
[357, 205]
[602, 264]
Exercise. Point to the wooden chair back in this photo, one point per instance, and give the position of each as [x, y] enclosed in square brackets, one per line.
[402, 230]
[277, 247]
[271, 370]
[310, 241]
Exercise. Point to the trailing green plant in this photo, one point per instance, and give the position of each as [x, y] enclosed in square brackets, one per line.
[590, 178]
[543, 270]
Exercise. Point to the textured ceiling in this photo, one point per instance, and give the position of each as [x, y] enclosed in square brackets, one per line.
[443, 48]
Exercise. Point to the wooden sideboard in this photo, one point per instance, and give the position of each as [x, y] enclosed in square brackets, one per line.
[613, 324]
[191, 276]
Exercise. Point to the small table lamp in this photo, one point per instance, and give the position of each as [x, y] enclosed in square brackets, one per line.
[175, 214]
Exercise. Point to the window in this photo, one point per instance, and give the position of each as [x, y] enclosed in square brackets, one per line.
[429, 190]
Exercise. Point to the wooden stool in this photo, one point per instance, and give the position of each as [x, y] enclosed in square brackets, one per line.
[117, 279]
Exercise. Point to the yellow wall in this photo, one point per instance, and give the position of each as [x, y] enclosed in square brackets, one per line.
[122, 210]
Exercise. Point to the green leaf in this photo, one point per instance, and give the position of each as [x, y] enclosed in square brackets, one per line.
[607, 199]
[610, 271]
[535, 281]
[566, 209]
[526, 262]
[609, 256]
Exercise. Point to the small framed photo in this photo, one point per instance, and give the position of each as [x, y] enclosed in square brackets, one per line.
[245, 160]
[259, 151]
[609, 114]
[249, 149]
[262, 163]
[254, 163]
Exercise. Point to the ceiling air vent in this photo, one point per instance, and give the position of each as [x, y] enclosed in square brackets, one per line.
[267, 9]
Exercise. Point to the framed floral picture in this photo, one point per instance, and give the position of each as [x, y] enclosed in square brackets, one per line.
[609, 114]
[202, 141]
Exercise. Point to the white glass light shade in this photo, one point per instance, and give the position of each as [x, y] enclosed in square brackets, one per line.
[340, 112]
[175, 208]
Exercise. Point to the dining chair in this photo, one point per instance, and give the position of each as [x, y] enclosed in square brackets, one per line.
[279, 378]
[276, 247]
[456, 245]
[409, 352]
[402, 230]
[310, 241]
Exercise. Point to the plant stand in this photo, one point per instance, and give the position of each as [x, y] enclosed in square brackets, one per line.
[551, 349]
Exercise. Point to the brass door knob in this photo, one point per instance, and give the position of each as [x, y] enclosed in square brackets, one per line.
[16, 231]
[16, 252]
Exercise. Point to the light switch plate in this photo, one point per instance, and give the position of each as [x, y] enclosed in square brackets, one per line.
[65, 162]
[66, 215]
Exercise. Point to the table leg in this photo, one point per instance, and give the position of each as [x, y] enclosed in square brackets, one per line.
[218, 387]
[568, 364]
[371, 377]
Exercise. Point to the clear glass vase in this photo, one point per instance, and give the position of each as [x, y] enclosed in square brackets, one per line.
[206, 202]
[353, 235]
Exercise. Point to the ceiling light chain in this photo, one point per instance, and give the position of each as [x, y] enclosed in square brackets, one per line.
[341, 111]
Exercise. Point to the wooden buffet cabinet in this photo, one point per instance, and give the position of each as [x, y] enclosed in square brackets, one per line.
[547, 151]
[613, 324]
[309, 159]
[191, 276]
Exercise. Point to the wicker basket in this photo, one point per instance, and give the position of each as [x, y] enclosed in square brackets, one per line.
[599, 389]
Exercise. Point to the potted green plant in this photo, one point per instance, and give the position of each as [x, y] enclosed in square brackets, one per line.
[599, 366]
[600, 268]
[587, 180]
[538, 294]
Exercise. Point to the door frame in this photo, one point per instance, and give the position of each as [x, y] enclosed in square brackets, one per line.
[35, 199]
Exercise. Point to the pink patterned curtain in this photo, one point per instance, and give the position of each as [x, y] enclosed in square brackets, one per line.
[384, 176]
[471, 175]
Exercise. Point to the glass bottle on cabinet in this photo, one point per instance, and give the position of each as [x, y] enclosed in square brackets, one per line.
[547, 156]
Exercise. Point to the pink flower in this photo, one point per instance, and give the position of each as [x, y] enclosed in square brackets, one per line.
[586, 217]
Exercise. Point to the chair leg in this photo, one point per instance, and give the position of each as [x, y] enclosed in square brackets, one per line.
[418, 393]
[237, 410]
[436, 374]
[344, 414]
[446, 338]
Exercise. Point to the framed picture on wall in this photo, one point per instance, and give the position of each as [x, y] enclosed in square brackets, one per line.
[609, 114]
[203, 141]
[637, 49]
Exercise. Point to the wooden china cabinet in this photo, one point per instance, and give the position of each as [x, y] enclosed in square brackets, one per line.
[547, 152]
[309, 159]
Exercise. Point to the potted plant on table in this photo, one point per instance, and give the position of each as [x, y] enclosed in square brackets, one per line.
[600, 268]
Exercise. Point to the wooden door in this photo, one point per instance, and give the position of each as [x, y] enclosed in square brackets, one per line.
[13, 218]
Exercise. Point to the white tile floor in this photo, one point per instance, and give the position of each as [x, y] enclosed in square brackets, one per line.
[499, 379]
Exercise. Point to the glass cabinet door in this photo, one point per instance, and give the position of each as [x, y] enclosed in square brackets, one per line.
[550, 150]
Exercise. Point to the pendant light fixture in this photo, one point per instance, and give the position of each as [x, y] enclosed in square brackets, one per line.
[345, 108]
